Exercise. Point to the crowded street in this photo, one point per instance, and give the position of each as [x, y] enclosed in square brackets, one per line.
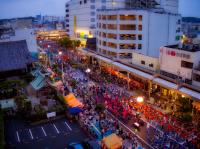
[137, 122]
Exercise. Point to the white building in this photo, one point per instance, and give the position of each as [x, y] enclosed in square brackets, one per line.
[23, 34]
[122, 32]
[181, 62]
[81, 15]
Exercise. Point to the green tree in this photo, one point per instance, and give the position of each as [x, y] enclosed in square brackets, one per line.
[65, 42]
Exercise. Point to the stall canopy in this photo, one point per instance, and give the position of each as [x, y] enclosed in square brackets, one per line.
[72, 101]
[112, 142]
[75, 110]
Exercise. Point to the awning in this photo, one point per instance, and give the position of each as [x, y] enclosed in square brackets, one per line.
[75, 110]
[190, 92]
[38, 82]
[112, 141]
[134, 71]
[165, 83]
[71, 101]
[107, 60]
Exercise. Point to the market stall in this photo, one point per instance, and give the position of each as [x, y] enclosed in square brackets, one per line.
[112, 142]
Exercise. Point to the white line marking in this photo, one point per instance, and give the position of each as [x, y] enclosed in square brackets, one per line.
[18, 136]
[56, 128]
[44, 132]
[31, 134]
[68, 126]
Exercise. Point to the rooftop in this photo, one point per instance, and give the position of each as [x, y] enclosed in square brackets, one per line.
[186, 47]
[14, 55]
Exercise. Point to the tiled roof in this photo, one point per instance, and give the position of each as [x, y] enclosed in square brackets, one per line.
[14, 55]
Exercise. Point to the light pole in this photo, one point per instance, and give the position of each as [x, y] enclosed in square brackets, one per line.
[62, 77]
[60, 53]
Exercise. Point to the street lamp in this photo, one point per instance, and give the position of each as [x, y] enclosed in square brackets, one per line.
[88, 70]
[140, 99]
[60, 53]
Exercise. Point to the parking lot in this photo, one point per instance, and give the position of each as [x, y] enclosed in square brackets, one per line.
[56, 134]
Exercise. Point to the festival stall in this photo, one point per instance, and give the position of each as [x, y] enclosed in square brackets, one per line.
[112, 142]
[72, 101]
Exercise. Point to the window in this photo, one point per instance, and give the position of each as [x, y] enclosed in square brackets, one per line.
[151, 65]
[103, 7]
[92, 6]
[85, 1]
[80, 2]
[127, 17]
[143, 62]
[186, 64]
[140, 27]
[140, 17]
[139, 37]
[112, 17]
[92, 20]
[127, 27]
[111, 26]
[92, 13]
[139, 46]
[92, 1]
[196, 77]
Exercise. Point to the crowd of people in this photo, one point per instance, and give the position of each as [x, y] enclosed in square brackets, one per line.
[99, 124]
[104, 86]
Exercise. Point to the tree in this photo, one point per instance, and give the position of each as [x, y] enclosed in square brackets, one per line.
[65, 42]
[76, 43]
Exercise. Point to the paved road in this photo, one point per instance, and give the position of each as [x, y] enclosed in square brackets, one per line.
[52, 135]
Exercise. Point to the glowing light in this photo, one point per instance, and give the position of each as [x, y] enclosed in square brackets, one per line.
[60, 52]
[88, 70]
[140, 99]
[183, 96]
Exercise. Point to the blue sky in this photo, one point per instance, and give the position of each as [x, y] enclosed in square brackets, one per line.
[21, 8]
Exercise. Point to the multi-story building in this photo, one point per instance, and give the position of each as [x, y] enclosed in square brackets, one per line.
[128, 30]
[81, 16]
[181, 62]
[122, 33]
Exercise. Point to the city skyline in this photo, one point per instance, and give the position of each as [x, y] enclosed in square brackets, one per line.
[23, 8]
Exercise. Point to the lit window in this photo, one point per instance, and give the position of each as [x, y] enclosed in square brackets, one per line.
[140, 17]
[140, 27]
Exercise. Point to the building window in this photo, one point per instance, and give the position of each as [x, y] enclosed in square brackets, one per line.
[85, 1]
[196, 77]
[92, 6]
[127, 17]
[151, 65]
[80, 2]
[139, 37]
[143, 62]
[92, 20]
[186, 64]
[92, 13]
[92, 1]
[140, 17]
[139, 46]
[140, 27]
[103, 7]
[128, 27]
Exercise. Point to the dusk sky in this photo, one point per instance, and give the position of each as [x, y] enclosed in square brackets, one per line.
[21, 8]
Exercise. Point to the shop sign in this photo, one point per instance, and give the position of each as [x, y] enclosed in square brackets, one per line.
[175, 53]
